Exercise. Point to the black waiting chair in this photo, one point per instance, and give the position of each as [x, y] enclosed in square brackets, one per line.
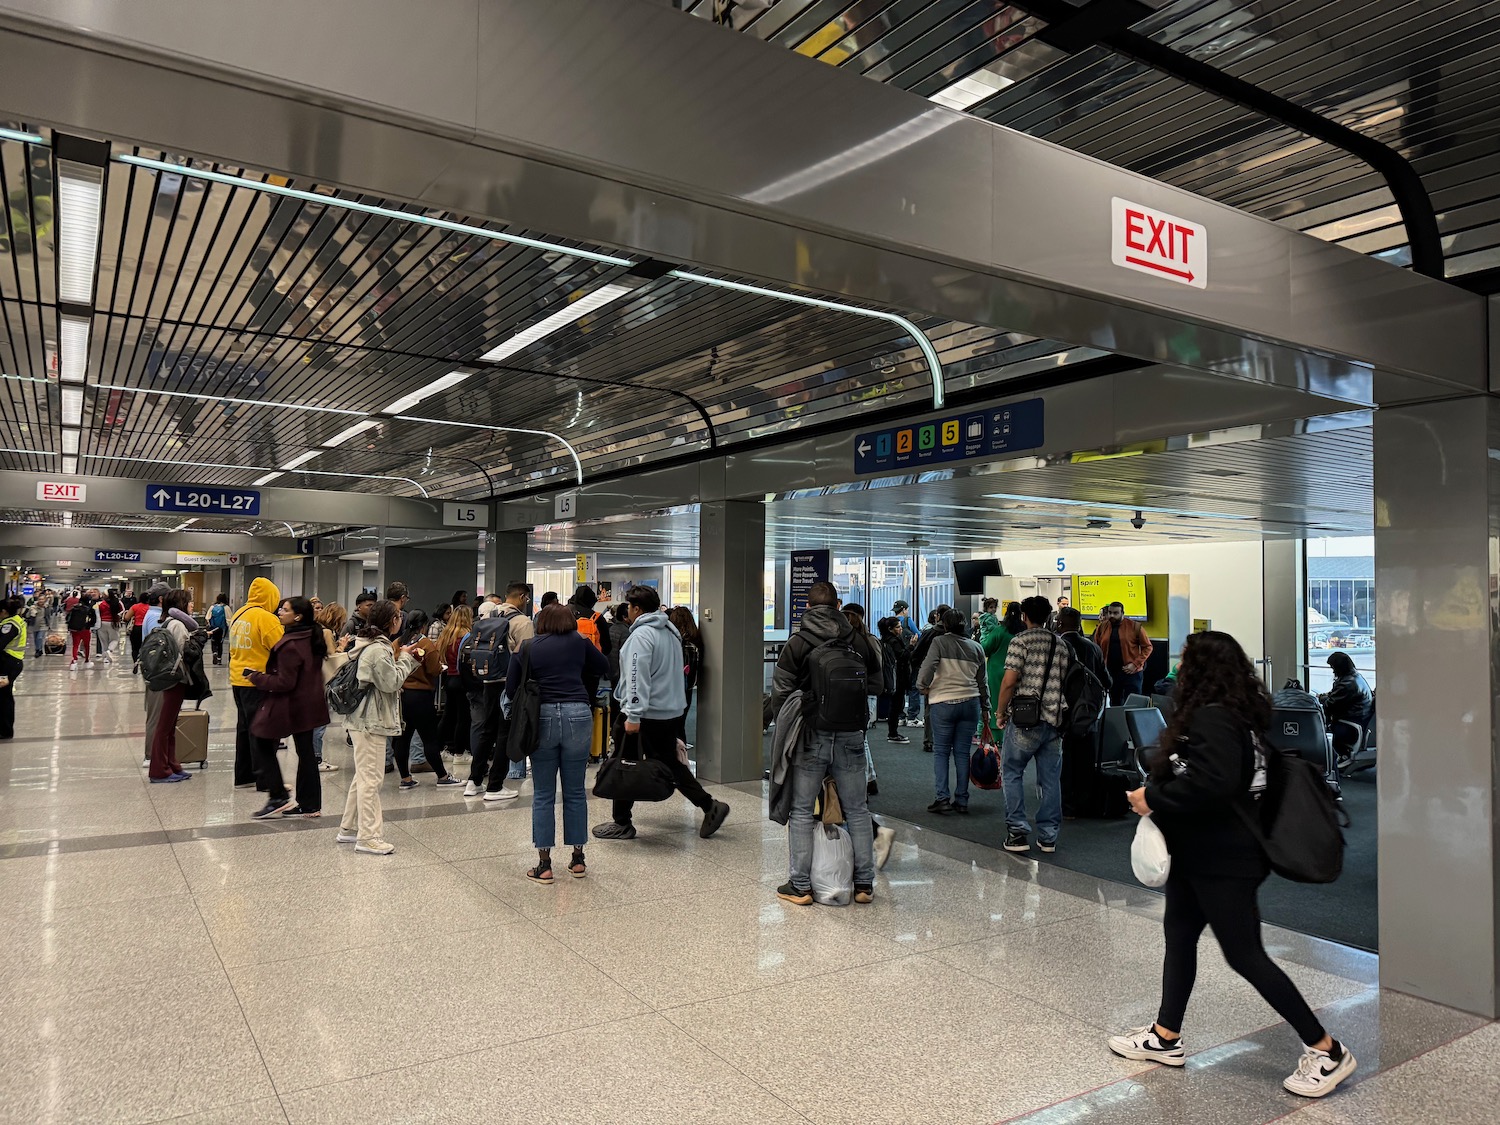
[1301, 730]
[1165, 704]
[1146, 727]
[1116, 750]
[1134, 701]
[1362, 749]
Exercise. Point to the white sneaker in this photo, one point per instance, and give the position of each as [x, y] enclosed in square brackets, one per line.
[88, 663]
[375, 847]
[884, 838]
[1144, 1045]
[1317, 1074]
[473, 789]
[345, 837]
[325, 766]
[502, 795]
[145, 763]
[73, 667]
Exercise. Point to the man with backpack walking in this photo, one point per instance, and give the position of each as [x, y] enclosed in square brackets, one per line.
[81, 621]
[483, 660]
[1032, 701]
[833, 667]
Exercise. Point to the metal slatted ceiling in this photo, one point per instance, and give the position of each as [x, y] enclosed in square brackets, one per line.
[1416, 74]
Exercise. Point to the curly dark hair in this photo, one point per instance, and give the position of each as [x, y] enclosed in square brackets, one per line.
[1214, 671]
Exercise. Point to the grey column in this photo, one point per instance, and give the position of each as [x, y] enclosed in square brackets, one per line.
[504, 557]
[731, 556]
[326, 576]
[1284, 604]
[1437, 533]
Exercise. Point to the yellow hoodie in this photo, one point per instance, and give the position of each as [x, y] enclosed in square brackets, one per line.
[253, 631]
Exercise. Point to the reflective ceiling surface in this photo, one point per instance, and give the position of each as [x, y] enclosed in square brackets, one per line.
[1417, 75]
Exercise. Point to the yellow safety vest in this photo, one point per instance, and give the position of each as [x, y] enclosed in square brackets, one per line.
[17, 646]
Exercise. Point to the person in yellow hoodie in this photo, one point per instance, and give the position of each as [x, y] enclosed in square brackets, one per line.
[253, 632]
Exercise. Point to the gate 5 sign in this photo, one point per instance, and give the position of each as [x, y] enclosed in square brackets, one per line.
[980, 433]
[1159, 244]
[201, 499]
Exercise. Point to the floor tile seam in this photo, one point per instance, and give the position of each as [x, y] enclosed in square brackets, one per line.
[213, 1109]
[402, 940]
[496, 1046]
[732, 1065]
[901, 955]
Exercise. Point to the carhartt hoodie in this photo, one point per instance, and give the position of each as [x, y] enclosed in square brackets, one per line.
[651, 683]
[253, 631]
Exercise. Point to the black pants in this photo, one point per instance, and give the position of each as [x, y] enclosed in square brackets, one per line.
[488, 728]
[659, 741]
[453, 727]
[309, 780]
[1078, 767]
[251, 752]
[11, 668]
[926, 726]
[1229, 906]
[894, 701]
[216, 637]
[135, 644]
[1124, 684]
[418, 716]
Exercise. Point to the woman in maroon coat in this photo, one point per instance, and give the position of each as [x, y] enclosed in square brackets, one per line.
[293, 707]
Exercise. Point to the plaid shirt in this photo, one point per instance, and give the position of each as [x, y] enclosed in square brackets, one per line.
[1028, 656]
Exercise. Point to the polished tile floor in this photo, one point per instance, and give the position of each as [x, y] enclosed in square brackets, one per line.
[169, 959]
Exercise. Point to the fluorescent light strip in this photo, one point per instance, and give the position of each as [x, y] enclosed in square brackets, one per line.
[267, 479]
[577, 464]
[70, 440]
[353, 431]
[452, 379]
[222, 398]
[80, 190]
[35, 452]
[934, 365]
[67, 518]
[370, 209]
[254, 468]
[560, 319]
[300, 459]
[1109, 506]
[72, 406]
[24, 138]
[972, 90]
[73, 352]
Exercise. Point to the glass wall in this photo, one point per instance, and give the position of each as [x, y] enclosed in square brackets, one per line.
[682, 582]
[1340, 607]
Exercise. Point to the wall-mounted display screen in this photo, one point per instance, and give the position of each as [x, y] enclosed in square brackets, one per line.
[1092, 592]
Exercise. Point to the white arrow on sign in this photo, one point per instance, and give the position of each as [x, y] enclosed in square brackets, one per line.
[162, 495]
[863, 447]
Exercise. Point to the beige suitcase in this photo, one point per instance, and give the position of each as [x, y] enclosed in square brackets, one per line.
[192, 737]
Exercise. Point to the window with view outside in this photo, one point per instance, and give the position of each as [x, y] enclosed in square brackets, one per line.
[1340, 608]
[890, 582]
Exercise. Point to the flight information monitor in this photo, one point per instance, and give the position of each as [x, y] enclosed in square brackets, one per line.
[1092, 592]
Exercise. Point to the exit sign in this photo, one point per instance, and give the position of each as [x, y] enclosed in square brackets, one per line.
[1162, 245]
[61, 490]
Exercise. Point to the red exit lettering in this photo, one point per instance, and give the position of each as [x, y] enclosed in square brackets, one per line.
[1152, 242]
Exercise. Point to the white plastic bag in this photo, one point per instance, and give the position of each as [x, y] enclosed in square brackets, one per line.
[832, 865]
[1149, 858]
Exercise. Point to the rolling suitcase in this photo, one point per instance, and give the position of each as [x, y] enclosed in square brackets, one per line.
[596, 747]
[55, 644]
[192, 737]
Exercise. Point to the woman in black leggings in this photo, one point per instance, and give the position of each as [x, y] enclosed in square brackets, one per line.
[1205, 768]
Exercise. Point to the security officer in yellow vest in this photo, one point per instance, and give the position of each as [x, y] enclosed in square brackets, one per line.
[12, 653]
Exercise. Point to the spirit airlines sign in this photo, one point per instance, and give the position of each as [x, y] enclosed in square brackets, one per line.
[1159, 244]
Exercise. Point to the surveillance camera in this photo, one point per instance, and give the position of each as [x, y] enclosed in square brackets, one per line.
[1139, 521]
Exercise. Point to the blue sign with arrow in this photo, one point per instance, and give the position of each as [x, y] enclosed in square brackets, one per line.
[990, 432]
[202, 499]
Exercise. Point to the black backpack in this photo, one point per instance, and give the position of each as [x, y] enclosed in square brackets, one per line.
[1085, 697]
[483, 655]
[160, 660]
[344, 692]
[1295, 817]
[838, 688]
[78, 618]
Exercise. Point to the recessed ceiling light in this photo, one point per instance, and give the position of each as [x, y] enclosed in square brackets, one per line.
[300, 459]
[73, 350]
[435, 387]
[972, 90]
[560, 319]
[354, 430]
[80, 188]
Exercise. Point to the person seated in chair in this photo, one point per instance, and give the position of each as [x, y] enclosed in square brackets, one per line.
[1294, 697]
[1348, 701]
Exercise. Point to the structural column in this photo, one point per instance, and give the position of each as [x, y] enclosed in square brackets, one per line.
[731, 557]
[1284, 602]
[1437, 527]
[504, 557]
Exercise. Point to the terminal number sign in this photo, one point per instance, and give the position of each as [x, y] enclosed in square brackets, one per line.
[201, 499]
[992, 432]
[117, 556]
[1165, 246]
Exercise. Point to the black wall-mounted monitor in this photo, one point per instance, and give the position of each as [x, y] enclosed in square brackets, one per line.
[969, 574]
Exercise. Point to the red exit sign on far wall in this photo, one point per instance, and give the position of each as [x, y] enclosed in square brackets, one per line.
[57, 490]
[1160, 244]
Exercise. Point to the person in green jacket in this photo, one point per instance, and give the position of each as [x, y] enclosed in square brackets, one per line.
[995, 637]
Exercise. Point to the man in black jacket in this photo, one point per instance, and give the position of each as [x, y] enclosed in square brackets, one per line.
[1078, 768]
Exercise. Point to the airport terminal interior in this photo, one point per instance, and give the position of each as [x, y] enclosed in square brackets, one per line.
[1174, 318]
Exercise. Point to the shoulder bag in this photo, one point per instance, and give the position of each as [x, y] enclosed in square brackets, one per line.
[1026, 710]
[525, 713]
[631, 776]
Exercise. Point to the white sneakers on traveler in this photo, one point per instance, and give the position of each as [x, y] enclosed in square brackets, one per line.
[1318, 1072]
[502, 794]
[1144, 1044]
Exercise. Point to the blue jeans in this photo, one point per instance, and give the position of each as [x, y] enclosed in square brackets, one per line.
[563, 747]
[318, 742]
[841, 754]
[913, 702]
[1021, 745]
[952, 727]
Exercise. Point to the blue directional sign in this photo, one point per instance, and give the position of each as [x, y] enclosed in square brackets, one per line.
[991, 432]
[27, 591]
[202, 499]
[117, 556]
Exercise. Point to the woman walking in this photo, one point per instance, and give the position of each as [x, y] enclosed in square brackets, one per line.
[293, 706]
[1200, 780]
[385, 667]
[81, 622]
[163, 707]
[418, 708]
[218, 626]
[953, 678]
[453, 730]
[111, 612]
[566, 667]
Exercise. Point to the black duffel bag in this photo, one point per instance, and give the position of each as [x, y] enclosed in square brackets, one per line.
[525, 712]
[628, 775]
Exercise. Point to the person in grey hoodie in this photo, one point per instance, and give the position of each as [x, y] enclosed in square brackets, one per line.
[953, 678]
[652, 695]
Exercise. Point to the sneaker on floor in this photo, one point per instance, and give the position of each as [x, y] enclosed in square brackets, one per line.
[73, 667]
[1017, 842]
[788, 893]
[610, 830]
[473, 789]
[864, 893]
[501, 794]
[713, 819]
[88, 663]
[325, 766]
[182, 775]
[409, 783]
[963, 809]
[1143, 1044]
[244, 785]
[169, 779]
[345, 837]
[1048, 846]
[145, 763]
[448, 779]
[884, 838]
[274, 808]
[898, 740]
[941, 805]
[1318, 1072]
[374, 847]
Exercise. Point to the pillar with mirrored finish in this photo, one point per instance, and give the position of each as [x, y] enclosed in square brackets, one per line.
[731, 603]
[1437, 558]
